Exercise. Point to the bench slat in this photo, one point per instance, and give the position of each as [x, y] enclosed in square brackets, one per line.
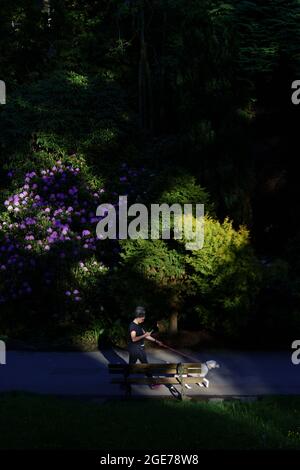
[154, 371]
[158, 364]
[142, 368]
[157, 380]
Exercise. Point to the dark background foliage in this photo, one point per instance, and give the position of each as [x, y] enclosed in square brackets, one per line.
[179, 100]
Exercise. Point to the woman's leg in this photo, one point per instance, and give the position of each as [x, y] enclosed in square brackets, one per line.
[133, 357]
[143, 359]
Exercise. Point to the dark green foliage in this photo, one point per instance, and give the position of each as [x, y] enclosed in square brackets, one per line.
[278, 311]
[220, 282]
[159, 100]
[267, 33]
[63, 116]
[226, 278]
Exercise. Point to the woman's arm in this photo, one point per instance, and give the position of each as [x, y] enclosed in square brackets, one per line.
[136, 338]
[150, 338]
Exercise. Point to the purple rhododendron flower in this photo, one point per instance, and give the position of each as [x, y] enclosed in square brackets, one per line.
[51, 191]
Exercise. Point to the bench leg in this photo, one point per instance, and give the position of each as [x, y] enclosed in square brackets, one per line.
[206, 383]
[184, 397]
[127, 386]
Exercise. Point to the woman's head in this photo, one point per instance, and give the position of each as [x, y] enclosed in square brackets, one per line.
[139, 314]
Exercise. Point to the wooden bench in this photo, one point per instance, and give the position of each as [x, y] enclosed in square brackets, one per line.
[164, 374]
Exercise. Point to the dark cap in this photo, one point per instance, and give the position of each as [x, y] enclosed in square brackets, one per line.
[139, 312]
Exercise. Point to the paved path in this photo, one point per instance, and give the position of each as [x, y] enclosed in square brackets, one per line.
[78, 373]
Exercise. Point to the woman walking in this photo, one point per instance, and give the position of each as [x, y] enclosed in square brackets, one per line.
[136, 343]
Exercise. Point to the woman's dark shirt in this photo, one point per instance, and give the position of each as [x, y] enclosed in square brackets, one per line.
[139, 332]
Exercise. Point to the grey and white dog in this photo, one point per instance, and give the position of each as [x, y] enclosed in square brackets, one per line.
[205, 368]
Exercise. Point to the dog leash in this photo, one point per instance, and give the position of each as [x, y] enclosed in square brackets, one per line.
[180, 353]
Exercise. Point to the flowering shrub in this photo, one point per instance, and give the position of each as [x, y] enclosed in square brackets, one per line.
[48, 247]
[52, 267]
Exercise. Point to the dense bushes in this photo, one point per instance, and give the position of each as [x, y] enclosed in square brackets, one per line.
[53, 265]
[278, 312]
[50, 259]
[218, 284]
[226, 276]
[63, 115]
[157, 101]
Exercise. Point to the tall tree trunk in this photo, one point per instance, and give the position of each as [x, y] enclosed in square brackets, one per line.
[162, 75]
[46, 9]
[145, 88]
[175, 306]
[173, 325]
